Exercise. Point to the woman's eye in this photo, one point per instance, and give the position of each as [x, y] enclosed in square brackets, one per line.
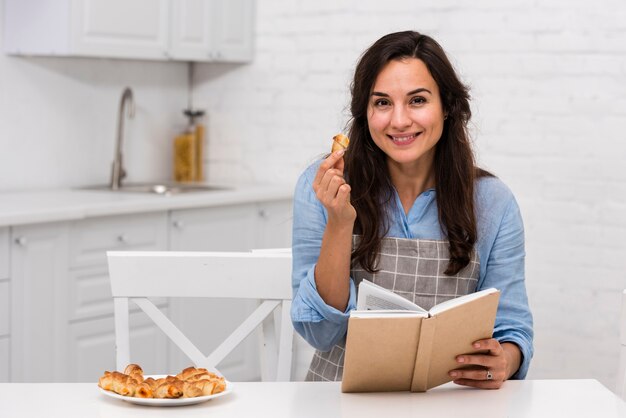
[381, 103]
[418, 100]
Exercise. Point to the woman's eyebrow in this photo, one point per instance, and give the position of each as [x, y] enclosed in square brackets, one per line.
[418, 90]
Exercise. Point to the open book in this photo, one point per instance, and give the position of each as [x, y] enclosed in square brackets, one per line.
[395, 345]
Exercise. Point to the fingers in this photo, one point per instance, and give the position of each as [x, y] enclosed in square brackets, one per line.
[482, 370]
[343, 195]
[491, 344]
[330, 184]
[334, 159]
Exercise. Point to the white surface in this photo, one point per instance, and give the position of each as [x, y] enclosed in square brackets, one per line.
[167, 402]
[57, 205]
[540, 398]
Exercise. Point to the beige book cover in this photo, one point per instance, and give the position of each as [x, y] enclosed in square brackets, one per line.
[402, 350]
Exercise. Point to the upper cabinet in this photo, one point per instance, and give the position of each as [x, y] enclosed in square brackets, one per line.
[187, 30]
[212, 30]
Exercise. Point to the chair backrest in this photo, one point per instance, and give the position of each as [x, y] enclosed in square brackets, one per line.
[138, 275]
[621, 375]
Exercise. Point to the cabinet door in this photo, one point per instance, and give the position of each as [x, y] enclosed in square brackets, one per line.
[120, 28]
[274, 226]
[207, 322]
[190, 35]
[38, 294]
[233, 30]
[92, 347]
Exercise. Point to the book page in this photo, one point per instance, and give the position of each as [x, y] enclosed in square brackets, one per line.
[374, 297]
[388, 313]
[449, 304]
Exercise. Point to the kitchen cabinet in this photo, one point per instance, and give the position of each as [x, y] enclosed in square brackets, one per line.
[56, 310]
[189, 30]
[91, 347]
[89, 308]
[217, 30]
[60, 287]
[208, 322]
[38, 271]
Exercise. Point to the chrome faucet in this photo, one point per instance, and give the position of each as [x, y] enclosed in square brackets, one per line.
[117, 171]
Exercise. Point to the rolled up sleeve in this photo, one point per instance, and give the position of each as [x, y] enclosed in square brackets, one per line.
[319, 324]
[505, 271]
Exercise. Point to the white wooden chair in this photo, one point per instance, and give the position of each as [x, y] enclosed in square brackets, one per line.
[137, 276]
[621, 375]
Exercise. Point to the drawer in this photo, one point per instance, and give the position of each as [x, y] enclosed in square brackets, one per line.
[4, 308]
[5, 362]
[4, 253]
[91, 347]
[90, 294]
[90, 239]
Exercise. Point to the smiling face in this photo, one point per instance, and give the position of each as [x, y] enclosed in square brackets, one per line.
[405, 114]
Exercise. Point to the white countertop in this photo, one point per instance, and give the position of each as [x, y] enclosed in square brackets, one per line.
[529, 398]
[18, 208]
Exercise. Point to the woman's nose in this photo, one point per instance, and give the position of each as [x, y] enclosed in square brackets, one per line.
[400, 118]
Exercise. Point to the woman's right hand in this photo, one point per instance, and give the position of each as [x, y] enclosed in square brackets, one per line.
[332, 190]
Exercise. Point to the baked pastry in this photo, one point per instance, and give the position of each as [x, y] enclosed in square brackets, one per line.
[340, 141]
[189, 383]
[134, 371]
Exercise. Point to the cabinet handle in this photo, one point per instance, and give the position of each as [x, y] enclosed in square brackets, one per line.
[178, 224]
[122, 239]
[21, 241]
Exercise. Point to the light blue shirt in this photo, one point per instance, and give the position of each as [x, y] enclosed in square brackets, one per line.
[500, 248]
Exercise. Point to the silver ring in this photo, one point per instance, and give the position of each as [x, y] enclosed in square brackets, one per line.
[489, 375]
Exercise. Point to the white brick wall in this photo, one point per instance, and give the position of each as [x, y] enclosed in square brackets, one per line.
[549, 86]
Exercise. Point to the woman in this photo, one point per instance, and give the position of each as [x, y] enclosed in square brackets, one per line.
[407, 187]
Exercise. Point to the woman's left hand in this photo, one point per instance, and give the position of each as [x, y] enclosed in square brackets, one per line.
[486, 371]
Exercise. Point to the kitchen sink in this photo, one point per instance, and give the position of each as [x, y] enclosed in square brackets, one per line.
[158, 188]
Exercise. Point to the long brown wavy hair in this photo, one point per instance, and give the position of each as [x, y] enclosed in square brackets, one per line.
[455, 171]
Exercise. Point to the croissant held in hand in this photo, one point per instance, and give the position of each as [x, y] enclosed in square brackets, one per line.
[340, 141]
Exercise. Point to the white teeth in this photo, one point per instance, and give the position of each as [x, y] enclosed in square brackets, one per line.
[402, 139]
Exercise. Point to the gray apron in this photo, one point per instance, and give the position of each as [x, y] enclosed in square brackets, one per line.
[412, 268]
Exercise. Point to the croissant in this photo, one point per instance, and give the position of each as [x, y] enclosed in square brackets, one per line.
[143, 390]
[123, 384]
[134, 371]
[190, 372]
[152, 383]
[106, 381]
[340, 141]
[170, 389]
[189, 383]
[198, 388]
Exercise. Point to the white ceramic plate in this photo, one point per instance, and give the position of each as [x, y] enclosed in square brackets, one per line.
[167, 402]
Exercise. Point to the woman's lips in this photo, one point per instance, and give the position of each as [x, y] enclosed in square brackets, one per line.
[404, 139]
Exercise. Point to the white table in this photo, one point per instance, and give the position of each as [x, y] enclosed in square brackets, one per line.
[531, 398]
